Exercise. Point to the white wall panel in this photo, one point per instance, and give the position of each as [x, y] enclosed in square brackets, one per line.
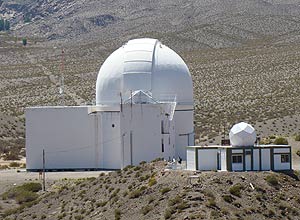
[256, 159]
[265, 159]
[278, 165]
[207, 159]
[191, 162]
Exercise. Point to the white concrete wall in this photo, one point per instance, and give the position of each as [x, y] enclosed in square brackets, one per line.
[207, 159]
[265, 159]
[144, 123]
[281, 150]
[277, 159]
[255, 159]
[184, 128]
[191, 162]
[67, 135]
[109, 139]
[278, 165]
[237, 166]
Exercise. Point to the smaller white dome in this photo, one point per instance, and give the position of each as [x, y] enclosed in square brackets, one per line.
[242, 135]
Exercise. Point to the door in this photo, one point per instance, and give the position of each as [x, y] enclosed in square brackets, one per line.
[248, 162]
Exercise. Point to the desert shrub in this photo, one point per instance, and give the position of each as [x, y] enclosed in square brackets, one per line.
[136, 193]
[237, 204]
[211, 202]
[151, 199]
[146, 209]
[298, 152]
[14, 164]
[168, 213]
[297, 138]
[115, 193]
[101, 204]
[25, 196]
[24, 41]
[236, 190]
[125, 193]
[152, 181]
[144, 178]
[117, 214]
[228, 198]
[12, 155]
[128, 168]
[165, 190]
[209, 194]
[280, 141]
[143, 162]
[157, 159]
[24, 193]
[272, 180]
[78, 217]
[136, 168]
[3, 167]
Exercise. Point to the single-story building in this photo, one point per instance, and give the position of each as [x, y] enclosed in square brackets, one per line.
[228, 158]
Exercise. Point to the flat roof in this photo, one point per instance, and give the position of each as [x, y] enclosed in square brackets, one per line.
[255, 146]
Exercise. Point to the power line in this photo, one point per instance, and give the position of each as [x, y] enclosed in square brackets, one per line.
[82, 148]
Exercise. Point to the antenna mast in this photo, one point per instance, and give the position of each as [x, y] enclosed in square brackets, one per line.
[62, 83]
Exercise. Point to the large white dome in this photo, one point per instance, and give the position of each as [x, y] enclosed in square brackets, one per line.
[242, 135]
[144, 64]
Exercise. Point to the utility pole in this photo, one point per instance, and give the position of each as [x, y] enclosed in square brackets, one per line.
[44, 180]
[62, 83]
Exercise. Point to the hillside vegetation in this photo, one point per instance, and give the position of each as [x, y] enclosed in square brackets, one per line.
[243, 57]
[149, 191]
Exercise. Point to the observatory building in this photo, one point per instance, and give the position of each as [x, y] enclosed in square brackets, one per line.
[242, 155]
[143, 111]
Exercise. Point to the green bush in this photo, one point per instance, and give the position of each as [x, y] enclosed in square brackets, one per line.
[136, 193]
[165, 190]
[281, 141]
[117, 214]
[211, 203]
[168, 213]
[297, 138]
[14, 164]
[101, 204]
[236, 190]
[272, 180]
[228, 198]
[24, 41]
[298, 152]
[146, 209]
[3, 167]
[143, 162]
[24, 193]
[25, 196]
[152, 181]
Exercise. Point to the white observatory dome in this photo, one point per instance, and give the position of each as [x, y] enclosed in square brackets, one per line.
[147, 65]
[242, 135]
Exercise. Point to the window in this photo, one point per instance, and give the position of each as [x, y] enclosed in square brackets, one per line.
[285, 158]
[162, 146]
[248, 152]
[237, 159]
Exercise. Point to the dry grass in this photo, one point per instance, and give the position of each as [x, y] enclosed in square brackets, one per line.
[229, 197]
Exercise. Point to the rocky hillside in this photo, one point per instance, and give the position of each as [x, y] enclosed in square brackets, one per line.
[149, 192]
[182, 24]
[243, 57]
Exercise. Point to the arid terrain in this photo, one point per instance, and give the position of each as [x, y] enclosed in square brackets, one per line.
[149, 191]
[244, 60]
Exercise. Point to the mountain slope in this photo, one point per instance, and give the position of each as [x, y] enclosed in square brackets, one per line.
[185, 24]
[150, 192]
